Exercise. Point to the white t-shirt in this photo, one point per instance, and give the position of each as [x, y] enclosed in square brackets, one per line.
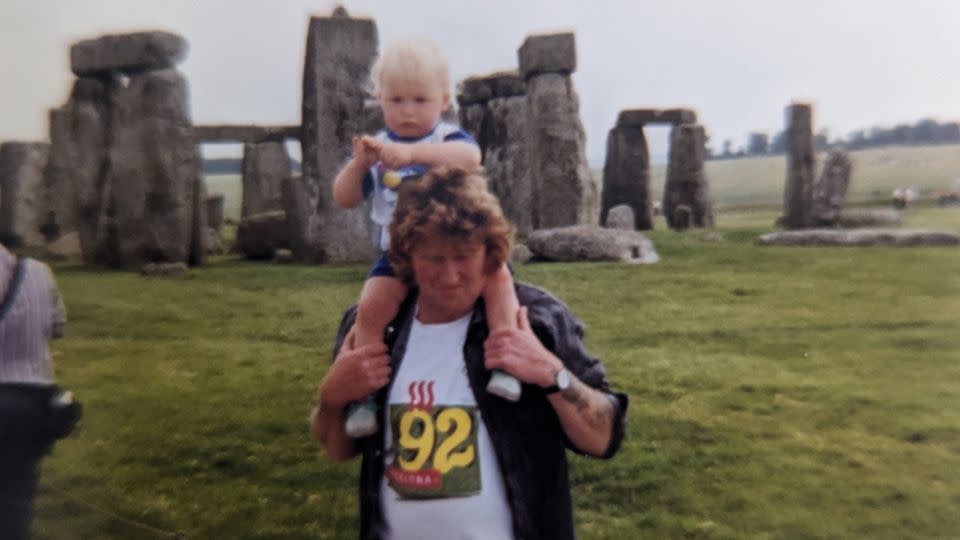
[441, 475]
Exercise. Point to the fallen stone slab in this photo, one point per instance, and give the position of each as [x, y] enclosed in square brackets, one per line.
[860, 238]
[139, 51]
[591, 243]
[869, 217]
[167, 269]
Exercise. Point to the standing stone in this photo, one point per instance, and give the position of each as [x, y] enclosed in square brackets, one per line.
[493, 109]
[339, 54]
[198, 223]
[626, 176]
[296, 206]
[564, 190]
[830, 191]
[506, 161]
[686, 195]
[265, 165]
[215, 211]
[801, 165]
[154, 166]
[60, 203]
[22, 192]
[90, 115]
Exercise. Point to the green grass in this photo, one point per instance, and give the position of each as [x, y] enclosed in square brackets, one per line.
[776, 393]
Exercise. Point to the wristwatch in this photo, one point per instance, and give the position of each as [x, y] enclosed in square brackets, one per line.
[560, 382]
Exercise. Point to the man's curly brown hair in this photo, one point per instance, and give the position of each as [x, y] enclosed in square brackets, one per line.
[447, 202]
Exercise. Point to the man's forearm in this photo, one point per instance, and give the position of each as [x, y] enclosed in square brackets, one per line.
[327, 424]
[586, 415]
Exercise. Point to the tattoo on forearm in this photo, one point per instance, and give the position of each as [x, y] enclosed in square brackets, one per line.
[592, 405]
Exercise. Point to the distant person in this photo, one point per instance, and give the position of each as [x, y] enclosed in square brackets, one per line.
[454, 461]
[411, 82]
[31, 314]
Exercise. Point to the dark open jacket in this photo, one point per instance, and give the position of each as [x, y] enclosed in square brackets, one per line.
[527, 437]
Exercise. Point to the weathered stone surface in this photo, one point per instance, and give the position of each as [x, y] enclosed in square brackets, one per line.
[472, 118]
[22, 193]
[620, 217]
[637, 118]
[591, 243]
[483, 88]
[91, 112]
[168, 269]
[66, 248]
[500, 128]
[296, 205]
[521, 254]
[686, 195]
[265, 165]
[127, 52]
[626, 176]
[60, 199]
[830, 190]
[214, 242]
[215, 211]
[860, 238]
[547, 53]
[260, 235]
[198, 223]
[372, 120]
[154, 165]
[801, 167]
[244, 133]
[564, 190]
[869, 217]
[339, 53]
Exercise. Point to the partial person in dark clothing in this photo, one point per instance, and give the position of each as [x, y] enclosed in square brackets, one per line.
[31, 314]
[454, 461]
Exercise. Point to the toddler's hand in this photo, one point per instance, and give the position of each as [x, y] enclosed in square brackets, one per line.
[396, 155]
[365, 150]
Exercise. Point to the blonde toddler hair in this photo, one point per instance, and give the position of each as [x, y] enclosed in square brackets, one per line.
[411, 59]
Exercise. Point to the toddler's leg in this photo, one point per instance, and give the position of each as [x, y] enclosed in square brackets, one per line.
[502, 305]
[379, 302]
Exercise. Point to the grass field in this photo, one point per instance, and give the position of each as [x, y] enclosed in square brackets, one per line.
[776, 393]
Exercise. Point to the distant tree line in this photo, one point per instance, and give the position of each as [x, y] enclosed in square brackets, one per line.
[924, 132]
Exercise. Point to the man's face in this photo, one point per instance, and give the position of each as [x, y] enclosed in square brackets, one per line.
[412, 108]
[450, 275]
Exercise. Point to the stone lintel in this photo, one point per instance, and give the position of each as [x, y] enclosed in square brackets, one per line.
[547, 53]
[137, 51]
[483, 88]
[637, 118]
[244, 133]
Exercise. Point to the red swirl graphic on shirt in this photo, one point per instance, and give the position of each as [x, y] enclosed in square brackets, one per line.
[421, 395]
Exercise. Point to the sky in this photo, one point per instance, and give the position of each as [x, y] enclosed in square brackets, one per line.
[738, 63]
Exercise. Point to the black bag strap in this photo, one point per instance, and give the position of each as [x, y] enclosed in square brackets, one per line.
[13, 287]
